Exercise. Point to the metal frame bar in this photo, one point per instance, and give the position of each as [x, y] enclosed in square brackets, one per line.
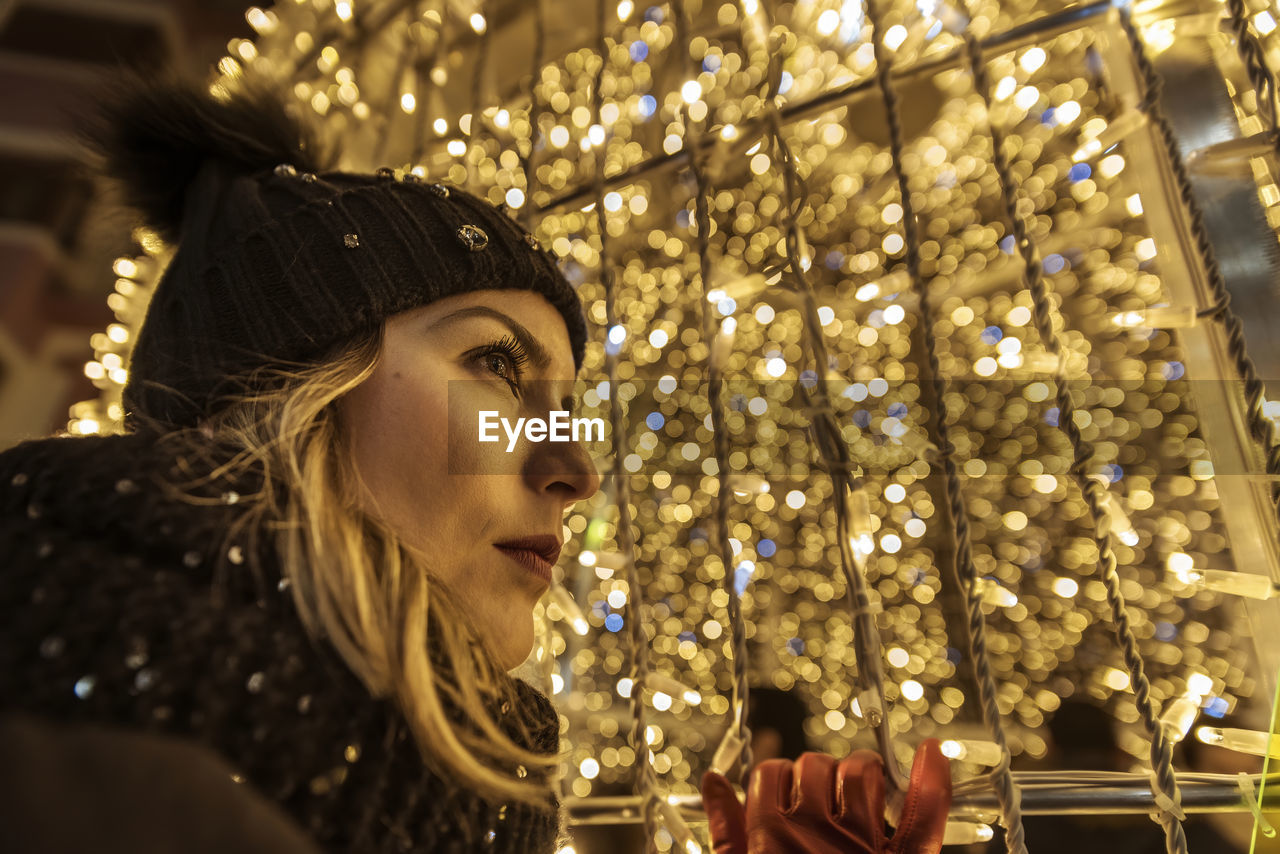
[1114, 794]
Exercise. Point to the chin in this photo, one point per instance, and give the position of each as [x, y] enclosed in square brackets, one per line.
[516, 644]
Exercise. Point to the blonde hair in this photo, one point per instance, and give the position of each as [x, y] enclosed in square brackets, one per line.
[354, 582]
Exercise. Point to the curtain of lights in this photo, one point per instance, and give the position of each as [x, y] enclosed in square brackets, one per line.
[915, 339]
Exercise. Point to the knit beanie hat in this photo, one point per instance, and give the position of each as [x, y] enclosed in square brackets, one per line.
[279, 259]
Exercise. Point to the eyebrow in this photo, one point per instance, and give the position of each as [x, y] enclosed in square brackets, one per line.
[541, 358]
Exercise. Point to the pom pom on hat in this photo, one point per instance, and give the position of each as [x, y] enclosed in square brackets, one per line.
[155, 139]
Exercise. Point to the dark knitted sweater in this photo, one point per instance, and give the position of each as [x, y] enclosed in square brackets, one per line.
[123, 607]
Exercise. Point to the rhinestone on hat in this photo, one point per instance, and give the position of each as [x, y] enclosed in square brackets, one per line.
[440, 190]
[351, 241]
[411, 178]
[309, 177]
[385, 172]
[532, 241]
[473, 237]
[285, 170]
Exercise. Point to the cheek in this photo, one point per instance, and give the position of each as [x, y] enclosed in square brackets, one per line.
[398, 429]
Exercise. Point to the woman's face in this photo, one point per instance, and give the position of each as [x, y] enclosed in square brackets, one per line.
[414, 427]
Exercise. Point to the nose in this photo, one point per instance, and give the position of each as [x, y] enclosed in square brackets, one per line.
[565, 467]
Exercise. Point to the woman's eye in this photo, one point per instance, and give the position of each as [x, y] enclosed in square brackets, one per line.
[500, 359]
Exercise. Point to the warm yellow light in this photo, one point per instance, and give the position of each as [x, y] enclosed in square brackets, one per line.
[1065, 587]
[478, 22]
[625, 8]
[456, 147]
[1032, 59]
[691, 91]
[1116, 679]
[408, 103]
[894, 38]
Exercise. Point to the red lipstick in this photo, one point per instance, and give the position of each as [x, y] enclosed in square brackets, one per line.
[530, 560]
[538, 554]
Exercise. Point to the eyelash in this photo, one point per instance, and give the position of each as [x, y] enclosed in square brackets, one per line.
[511, 349]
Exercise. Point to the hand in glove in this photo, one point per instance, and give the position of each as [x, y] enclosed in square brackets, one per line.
[818, 806]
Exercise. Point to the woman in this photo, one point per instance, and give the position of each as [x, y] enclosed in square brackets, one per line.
[294, 555]
[300, 557]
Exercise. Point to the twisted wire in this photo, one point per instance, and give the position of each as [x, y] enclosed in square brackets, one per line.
[1255, 64]
[739, 689]
[962, 565]
[833, 451]
[393, 99]
[1261, 428]
[526, 159]
[477, 95]
[645, 781]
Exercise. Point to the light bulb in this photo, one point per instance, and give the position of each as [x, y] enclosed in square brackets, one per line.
[728, 752]
[1240, 740]
[972, 750]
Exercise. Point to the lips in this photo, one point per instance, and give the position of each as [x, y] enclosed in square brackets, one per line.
[530, 560]
[545, 546]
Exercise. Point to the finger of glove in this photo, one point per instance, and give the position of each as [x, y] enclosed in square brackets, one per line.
[860, 795]
[813, 791]
[726, 818]
[769, 788]
[924, 811]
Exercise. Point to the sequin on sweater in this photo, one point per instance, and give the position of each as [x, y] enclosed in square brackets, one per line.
[121, 606]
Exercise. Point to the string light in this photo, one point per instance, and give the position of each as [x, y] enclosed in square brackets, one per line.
[666, 97]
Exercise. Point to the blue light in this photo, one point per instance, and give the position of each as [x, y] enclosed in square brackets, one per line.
[1166, 631]
[639, 51]
[1051, 416]
[648, 105]
[687, 636]
[991, 335]
[613, 622]
[897, 410]
[766, 548]
[600, 609]
[953, 655]
[1049, 117]
[655, 420]
[862, 418]
[697, 534]
[834, 259]
[1079, 172]
[1216, 708]
[1113, 472]
[785, 83]
[654, 13]
[1007, 244]
[741, 578]
[808, 379]
[796, 646]
[711, 63]
[1172, 370]
[1053, 263]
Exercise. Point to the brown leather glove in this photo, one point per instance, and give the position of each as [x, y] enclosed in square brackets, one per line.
[818, 806]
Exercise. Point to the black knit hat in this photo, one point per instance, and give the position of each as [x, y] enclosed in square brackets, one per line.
[279, 259]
